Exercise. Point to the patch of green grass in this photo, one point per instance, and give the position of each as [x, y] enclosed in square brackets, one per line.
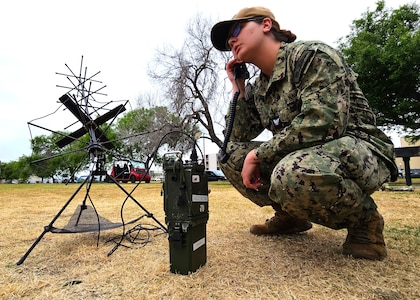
[405, 238]
[401, 181]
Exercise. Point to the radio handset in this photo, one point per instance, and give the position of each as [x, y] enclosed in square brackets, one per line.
[240, 72]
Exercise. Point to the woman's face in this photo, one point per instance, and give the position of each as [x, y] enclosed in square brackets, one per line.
[249, 38]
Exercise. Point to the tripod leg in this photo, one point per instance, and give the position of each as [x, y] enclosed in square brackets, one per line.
[48, 228]
[149, 215]
[32, 247]
[88, 181]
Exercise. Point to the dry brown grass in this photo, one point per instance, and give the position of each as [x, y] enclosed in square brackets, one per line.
[239, 265]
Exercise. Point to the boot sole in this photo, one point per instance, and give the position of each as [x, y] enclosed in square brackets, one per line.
[256, 230]
[365, 251]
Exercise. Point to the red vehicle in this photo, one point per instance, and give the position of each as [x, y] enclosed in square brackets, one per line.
[125, 170]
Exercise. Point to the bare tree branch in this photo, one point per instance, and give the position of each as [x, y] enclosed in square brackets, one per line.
[190, 78]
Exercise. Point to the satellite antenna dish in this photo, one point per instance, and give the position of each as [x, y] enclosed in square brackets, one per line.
[80, 101]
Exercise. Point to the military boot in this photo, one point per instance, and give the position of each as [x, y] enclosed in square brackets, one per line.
[366, 240]
[281, 223]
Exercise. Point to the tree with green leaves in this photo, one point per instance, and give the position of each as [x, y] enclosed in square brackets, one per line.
[48, 159]
[142, 130]
[383, 48]
[10, 171]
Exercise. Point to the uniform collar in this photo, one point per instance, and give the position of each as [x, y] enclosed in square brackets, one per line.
[279, 72]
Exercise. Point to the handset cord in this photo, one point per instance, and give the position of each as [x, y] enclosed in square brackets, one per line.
[223, 155]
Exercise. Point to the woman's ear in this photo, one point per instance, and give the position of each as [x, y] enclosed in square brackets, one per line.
[267, 24]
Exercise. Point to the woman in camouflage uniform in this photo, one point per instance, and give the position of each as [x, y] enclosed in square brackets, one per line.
[326, 156]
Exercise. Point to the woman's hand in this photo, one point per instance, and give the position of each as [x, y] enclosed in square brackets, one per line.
[251, 171]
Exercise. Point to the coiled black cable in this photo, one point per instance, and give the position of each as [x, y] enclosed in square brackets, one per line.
[239, 71]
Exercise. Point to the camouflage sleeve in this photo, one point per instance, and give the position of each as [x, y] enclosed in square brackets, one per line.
[324, 93]
[247, 124]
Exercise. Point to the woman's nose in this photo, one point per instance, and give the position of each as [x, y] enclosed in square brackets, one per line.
[231, 40]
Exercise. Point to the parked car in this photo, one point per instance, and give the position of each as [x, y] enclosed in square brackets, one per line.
[126, 170]
[415, 173]
[82, 178]
[215, 175]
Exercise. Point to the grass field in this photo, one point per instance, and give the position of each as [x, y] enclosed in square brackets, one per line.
[239, 265]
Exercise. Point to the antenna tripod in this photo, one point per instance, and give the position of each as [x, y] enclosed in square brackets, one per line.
[97, 146]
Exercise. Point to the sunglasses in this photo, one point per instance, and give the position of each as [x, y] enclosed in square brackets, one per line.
[236, 29]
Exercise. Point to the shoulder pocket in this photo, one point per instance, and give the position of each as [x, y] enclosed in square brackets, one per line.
[301, 65]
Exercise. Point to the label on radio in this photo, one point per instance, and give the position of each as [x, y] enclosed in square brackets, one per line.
[200, 198]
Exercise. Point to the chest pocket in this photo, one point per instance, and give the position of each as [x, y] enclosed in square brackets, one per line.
[279, 108]
[283, 102]
[285, 107]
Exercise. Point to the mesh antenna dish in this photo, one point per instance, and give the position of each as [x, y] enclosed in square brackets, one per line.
[80, 101]
[80, 105]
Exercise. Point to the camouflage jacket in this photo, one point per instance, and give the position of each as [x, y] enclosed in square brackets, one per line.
[311, 98]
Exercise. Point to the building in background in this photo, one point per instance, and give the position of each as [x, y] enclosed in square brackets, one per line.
[211, 161]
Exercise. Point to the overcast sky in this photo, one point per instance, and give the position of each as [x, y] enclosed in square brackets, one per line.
[119, 38]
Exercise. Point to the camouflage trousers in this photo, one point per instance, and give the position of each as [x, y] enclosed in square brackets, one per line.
[328, 184]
